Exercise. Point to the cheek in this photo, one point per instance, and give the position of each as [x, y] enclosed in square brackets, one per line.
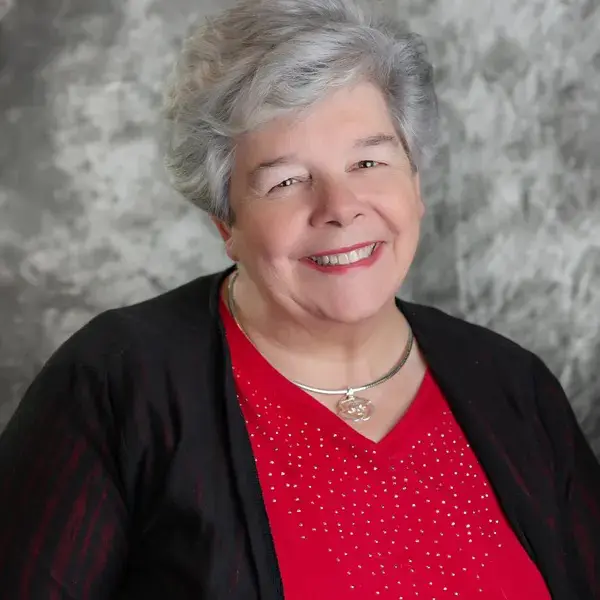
[397, 196]
[402, 212]
[273, 231]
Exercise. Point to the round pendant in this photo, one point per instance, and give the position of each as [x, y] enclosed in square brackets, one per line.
[354, 408]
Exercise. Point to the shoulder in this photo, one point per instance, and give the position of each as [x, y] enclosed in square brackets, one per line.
[476, 364]
[457, 335]
[137, 362]
[458, 350]
[159, 326]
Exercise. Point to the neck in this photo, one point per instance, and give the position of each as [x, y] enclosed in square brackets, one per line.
[320, 352]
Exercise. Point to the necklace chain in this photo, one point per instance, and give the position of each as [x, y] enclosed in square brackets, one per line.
[347, 403]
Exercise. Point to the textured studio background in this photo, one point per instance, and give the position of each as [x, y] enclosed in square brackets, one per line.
[512, 239]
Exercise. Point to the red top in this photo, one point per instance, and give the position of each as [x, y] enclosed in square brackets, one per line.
[412, 516]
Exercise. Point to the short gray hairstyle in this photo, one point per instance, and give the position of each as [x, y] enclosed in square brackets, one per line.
[264, 58]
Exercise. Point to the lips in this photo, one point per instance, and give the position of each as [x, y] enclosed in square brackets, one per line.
[347, 257]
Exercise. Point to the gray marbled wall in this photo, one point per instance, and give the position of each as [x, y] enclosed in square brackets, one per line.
[512, 239]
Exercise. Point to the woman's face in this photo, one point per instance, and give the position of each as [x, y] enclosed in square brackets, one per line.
[327, 208]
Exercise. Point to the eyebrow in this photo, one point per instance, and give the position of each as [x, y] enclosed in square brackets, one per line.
[377, 140]
[370, 141]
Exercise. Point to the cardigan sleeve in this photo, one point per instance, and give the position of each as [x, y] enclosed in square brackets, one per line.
[577, 474]
[63, 520]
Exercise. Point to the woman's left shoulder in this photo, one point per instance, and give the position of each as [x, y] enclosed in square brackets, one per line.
[460, 337]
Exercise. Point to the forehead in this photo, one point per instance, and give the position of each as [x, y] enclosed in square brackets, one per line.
[337, 120]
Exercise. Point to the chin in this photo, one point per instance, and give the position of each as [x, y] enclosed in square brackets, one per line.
[355, 310]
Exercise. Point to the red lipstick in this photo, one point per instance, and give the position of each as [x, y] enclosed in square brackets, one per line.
[341, 269]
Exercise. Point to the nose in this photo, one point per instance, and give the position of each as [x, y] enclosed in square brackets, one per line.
[335, 204]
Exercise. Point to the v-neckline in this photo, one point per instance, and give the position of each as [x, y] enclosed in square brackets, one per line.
[312, 413]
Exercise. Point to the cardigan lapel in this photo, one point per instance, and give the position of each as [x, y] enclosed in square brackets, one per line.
[477, 400]
[245, 474]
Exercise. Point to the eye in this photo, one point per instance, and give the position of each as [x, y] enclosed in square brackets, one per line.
[368, 164]
[286, 183]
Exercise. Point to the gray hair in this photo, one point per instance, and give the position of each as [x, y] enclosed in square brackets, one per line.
[265, 58]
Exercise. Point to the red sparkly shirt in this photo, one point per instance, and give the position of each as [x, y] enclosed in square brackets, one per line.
[412, 516]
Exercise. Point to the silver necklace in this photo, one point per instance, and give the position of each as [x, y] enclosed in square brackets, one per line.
[349, 407]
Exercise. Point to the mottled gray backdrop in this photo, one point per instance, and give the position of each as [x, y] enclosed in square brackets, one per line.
[512, 239]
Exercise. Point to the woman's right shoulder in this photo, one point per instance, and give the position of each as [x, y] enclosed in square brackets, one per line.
[162, 326]
[132, 372]
[136, 363]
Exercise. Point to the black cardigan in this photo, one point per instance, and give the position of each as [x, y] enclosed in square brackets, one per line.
[127, 472]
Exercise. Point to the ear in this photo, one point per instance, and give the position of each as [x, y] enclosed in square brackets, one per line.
[226, 233]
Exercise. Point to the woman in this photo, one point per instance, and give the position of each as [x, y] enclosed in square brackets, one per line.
[287, 427]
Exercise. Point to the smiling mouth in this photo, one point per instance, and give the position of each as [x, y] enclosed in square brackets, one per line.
[344, 258]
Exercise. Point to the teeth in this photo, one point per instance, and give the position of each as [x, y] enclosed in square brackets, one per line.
[346, 258]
